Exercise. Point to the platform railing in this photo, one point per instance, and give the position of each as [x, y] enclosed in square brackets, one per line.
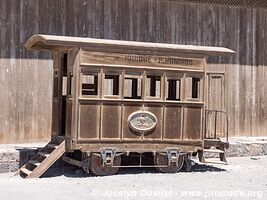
[208, 119]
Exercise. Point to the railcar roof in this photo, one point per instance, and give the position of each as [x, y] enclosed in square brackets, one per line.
[53, 43]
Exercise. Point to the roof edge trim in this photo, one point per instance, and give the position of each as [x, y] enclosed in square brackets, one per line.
[50, 42]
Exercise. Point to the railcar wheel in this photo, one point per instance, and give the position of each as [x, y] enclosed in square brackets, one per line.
[97, 169]
[161, 159]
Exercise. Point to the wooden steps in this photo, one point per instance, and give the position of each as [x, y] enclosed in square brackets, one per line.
[44, 154]
[44, 159]
[52, 146]
[35, 162]
[213, 146]
[213, 150]
[26, 171]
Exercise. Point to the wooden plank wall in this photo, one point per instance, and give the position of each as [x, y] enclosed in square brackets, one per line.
[25, 77]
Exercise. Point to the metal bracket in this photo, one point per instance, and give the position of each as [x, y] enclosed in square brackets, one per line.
[108, 155]
[173, 156]
[86, 162]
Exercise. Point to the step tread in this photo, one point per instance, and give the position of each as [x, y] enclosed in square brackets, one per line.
[35, 162]
[213, 150]
[212, 139]
[52, 145]
[43, 154]
[25, 171]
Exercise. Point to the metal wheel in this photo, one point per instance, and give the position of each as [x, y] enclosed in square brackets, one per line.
[161, 159]
[97, 169]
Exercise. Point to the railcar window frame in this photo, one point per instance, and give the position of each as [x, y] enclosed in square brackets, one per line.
[153, 86]
[56, 77]
[174, 77]
[132, 75]
[117, 84]
[95, 73]
[194, 86]
[64, 65]
[70, 86]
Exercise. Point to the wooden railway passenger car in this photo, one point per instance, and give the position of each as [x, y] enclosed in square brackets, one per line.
[114, 98]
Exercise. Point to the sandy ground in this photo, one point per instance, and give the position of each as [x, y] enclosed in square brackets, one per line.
[243, 178]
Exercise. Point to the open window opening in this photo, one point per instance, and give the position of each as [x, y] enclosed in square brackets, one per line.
[70, 84]
[55, 84]
[153, 86]
[64, 63]
[133, 86]
[64, 86]
[173, 89]
[90, 84]
[195, 87]
[111, 85]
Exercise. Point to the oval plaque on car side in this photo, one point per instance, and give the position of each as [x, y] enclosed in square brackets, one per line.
[142, 121]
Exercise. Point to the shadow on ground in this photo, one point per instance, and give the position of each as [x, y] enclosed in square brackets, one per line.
[63, 169]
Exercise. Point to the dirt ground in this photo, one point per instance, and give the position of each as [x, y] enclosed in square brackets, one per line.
[243, 178]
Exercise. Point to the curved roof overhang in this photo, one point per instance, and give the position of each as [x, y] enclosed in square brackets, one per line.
[55, 43]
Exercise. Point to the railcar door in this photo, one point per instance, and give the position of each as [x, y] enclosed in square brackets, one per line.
[215, 120]
[59, 94]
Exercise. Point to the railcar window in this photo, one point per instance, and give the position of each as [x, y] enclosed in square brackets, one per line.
[65, 63]
[132, 86]
[89, 84]
[195, 87]
[153, 84]
[55, 86]
[173, 89]
[111, 85]
[64, 85]
[70, 85]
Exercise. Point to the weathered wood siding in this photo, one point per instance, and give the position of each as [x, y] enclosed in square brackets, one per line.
[26, 77]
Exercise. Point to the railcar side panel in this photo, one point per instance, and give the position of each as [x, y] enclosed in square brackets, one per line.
[157, 110]
[89, 120]
[192, 122]
[106, 102]
[111, 120]
[173, 122]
